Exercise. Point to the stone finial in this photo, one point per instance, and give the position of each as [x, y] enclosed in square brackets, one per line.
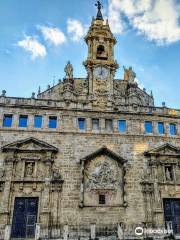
[163, 104]
[59, 81]
[144, 89]
[48, 86]
[3, 93]
[39, 90]
[151, 93]
[33, 95]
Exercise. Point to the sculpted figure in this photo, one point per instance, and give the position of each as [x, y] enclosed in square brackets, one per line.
[168, 175]
[29, 169]
[129, 74]
[69, 70]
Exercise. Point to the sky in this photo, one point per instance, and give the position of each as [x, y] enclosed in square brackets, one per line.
[38, 37]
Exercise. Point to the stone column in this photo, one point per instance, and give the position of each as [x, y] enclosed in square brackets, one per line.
[7, 190]
[37, 232]
[89, 49]
[82, 185]
[93, 231]
[45, 200]
[7, 232]
[94, 49]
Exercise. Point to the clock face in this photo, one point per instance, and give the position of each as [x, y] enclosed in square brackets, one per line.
[101, 73]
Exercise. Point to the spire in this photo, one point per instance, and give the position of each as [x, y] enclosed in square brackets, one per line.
[99, 13]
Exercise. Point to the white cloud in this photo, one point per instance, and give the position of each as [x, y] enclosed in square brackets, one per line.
[158, 20]
[31, 44]
[53, 35]
[76, 29]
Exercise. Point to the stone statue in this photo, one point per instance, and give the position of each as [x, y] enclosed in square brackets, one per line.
[69, 70]
[129, 74]
[29, 169]
[168, 175]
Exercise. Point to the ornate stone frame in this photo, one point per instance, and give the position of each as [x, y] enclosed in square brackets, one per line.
[102, 151]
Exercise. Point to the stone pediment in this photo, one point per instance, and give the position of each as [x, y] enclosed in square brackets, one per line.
[29, 145]
[165, 149]
[104, 151]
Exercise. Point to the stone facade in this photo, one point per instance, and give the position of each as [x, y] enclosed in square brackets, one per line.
[96, 175]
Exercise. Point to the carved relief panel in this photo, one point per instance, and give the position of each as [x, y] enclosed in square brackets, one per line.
[103, 182]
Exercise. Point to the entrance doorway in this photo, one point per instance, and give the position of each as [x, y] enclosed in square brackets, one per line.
[24, 217]
[172, 213]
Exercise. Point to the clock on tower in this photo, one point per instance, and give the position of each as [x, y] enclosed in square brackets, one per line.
[100, 63]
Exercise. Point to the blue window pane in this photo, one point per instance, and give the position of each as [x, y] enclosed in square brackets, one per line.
[122, 126]
[23, 120]
[7, 121]
[38, 121]
[52, 122]
[172, 128]
[148, 127]
[81, 123]
[160, 127]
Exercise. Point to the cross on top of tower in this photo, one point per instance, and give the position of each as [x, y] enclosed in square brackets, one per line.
[99, 13]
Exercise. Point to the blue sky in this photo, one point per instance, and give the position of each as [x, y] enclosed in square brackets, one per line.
[38, 37]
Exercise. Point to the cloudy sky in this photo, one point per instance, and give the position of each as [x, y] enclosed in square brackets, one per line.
[38, 37]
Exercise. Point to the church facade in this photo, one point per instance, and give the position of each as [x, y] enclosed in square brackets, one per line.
[89, 158]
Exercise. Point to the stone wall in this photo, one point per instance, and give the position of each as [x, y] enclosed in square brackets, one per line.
[74, 145]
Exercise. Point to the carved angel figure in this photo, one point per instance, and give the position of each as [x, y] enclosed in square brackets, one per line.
[69, 70]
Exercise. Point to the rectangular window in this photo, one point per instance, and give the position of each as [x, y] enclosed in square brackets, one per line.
[148, 127]
[102, 199]
[109, 125]
[7, 120]
[81, 123]
[172, 128]
[161, 128]
[122, 126]
[52, 122]
[95, 124]
[37, 121]
[23, 120]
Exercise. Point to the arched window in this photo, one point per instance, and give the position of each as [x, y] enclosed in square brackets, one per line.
[101, 53]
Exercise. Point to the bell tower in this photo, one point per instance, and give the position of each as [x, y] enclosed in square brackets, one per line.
[100, 64]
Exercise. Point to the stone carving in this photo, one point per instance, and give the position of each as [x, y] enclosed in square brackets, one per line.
[69, 70]
[102, 177]
[129, 74]
[29, 169]
[100, 87]
[56, 175]
[168, 174]
[81, 87]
